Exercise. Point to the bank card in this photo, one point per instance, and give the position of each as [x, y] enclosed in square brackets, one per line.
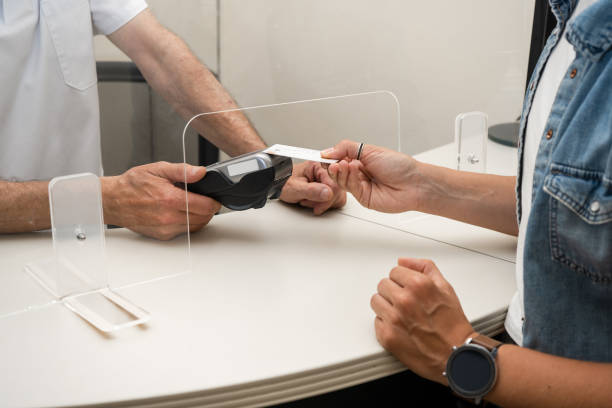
[298, 153]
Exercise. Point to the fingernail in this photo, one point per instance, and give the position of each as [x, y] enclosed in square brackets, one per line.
[327, 152]
[195, 170]
[325, 194]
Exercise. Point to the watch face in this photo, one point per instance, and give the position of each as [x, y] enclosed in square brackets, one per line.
[471, 371]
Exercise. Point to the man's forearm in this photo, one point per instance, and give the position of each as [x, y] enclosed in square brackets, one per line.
[485, 200]
[24, 206]
[528, 378]
[193, 89]
[173, 71]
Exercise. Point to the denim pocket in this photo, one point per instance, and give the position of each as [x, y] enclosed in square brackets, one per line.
[69, 24]
[581, 220]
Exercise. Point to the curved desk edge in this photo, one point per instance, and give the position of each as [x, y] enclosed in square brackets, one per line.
[297, 386]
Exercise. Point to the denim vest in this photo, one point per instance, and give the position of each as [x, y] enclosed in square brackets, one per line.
[568, 245]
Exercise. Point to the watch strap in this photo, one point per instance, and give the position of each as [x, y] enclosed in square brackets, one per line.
[490, 344]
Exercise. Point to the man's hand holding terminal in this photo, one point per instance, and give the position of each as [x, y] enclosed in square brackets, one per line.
[145, 199]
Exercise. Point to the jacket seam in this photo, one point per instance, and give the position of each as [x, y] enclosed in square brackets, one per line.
[565, 199]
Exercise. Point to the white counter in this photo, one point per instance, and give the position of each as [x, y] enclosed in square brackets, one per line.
[276, 309]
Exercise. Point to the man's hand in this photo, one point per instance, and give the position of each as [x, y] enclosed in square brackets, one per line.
[311, 186]
[419, 318]
[146, 200]
[382, 179]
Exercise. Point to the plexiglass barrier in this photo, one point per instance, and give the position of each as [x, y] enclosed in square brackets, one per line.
[81, 256]
[471, 135]
[86, 264]
[370, 118]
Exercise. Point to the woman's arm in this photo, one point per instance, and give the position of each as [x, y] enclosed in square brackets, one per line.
[419, 319]
[388, 181]
[485, 200]
[528, 378]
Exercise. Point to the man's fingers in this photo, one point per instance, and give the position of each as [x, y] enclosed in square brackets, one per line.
[298, 189]
[308, 203]
[202, 205]
[196, 227]
[173, 198]
[322, 175]
[318, 192]
[317, 208]
[196, 219]
[320, 208]
[178, 172]
[289, 193]
[311, 186]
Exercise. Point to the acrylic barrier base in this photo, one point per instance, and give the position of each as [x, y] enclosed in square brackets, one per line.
[76, 273]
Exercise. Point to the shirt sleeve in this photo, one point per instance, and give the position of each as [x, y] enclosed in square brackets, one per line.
[110, 15]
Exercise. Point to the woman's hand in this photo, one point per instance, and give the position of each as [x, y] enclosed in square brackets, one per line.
[419, 318]
[382, 179]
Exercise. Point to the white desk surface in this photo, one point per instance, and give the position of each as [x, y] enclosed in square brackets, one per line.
[501, 160]
[276, 309]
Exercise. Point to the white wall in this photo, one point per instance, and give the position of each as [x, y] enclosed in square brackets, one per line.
[137, 125]
[439, 57]
[193, 20]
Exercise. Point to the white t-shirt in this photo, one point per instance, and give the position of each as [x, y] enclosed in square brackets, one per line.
[558, 63]
[49, 113]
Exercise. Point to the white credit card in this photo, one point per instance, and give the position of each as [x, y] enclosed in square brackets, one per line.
[298, 153]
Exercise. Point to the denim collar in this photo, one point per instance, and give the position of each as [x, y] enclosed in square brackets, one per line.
[591, 32]
[562, 9]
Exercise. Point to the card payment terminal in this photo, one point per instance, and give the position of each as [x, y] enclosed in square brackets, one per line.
[246, 181]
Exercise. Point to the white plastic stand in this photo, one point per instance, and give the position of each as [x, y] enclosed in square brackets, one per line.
[76, 275]
[471, 132]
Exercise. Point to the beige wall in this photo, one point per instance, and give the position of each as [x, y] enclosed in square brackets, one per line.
[193, 20]
[439, 57]
[137, 125]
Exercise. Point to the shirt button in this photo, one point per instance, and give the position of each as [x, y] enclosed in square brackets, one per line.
[573, 73]
[595, 206]
[549, 134]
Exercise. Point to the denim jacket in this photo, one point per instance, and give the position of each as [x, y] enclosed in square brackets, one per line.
[568, 243]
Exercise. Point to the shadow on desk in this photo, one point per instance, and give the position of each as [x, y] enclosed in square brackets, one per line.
[406, 387]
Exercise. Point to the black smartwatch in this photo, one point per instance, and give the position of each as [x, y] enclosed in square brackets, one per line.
[471, 369]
